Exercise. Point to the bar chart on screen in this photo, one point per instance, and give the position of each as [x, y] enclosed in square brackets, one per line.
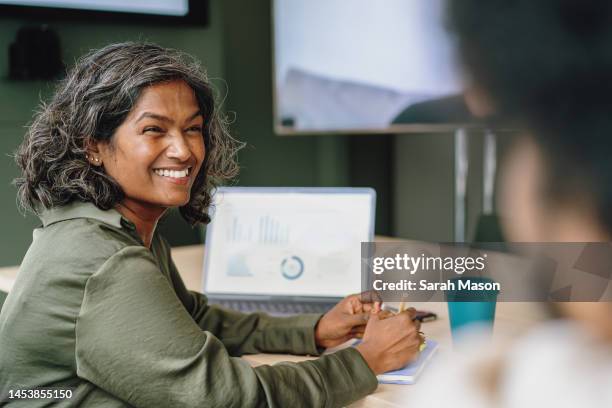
[262, 230]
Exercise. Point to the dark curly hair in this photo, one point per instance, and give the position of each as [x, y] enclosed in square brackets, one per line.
[90, 104]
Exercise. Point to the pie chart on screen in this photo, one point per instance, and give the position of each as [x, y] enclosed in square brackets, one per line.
[292, 267]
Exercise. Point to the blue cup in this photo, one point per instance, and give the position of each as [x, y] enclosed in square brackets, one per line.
[471, 307]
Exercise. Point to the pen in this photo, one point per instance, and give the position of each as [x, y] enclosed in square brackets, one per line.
[423, 346]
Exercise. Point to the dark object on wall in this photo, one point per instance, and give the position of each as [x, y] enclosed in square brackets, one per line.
[197, 15]
[35, 54]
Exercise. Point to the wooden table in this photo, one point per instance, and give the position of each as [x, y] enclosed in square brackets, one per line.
[511, 319]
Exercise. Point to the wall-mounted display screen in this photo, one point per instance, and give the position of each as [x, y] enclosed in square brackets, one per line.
[162, 7]
[180, 11]
[359, 65]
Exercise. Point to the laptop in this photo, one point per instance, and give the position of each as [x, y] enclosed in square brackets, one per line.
[286, 250]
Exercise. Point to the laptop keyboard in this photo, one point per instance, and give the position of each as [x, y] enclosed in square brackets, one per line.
[273, 308]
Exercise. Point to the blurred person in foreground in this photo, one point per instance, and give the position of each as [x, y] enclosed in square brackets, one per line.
[545, 68]
[98, 307]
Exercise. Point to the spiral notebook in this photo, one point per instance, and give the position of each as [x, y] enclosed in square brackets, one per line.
[410, 373]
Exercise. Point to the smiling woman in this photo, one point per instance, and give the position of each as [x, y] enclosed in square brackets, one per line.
[98, 307]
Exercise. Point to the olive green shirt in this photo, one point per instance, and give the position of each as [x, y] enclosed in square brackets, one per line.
[96, 312]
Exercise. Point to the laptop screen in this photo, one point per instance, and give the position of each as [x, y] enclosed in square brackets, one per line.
[287, 241]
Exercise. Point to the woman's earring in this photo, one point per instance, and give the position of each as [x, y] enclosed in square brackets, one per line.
[95, 159]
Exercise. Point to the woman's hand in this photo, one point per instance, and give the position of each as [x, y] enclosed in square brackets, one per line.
[390, 343]
[347, 319]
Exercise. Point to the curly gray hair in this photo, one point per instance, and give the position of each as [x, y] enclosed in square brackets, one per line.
[90, 104]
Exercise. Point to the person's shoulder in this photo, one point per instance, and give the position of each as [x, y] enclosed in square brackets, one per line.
[82, 237]
[77, 245]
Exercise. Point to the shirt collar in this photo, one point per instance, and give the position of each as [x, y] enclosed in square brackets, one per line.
[79, 209]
